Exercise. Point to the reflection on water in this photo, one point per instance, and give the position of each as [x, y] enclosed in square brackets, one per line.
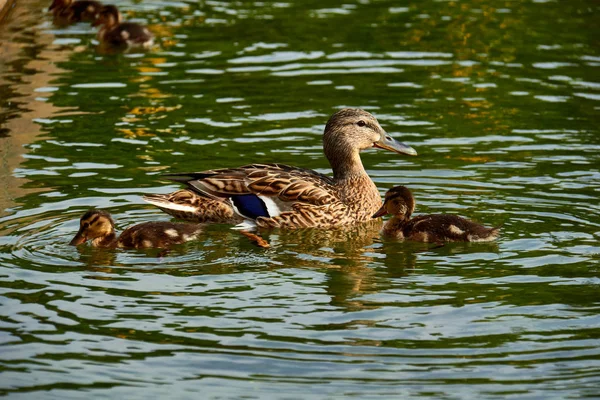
[502, 110]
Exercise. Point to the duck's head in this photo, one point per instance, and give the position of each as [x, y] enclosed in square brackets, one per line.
[108, 15]
[357, 129]
[93, 225]
[399, 202]
[59, 4]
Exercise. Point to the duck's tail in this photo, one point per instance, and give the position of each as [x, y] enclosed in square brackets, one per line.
[164, 202]
[189, 206]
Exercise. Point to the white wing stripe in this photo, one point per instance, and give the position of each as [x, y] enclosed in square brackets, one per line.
[272, 207]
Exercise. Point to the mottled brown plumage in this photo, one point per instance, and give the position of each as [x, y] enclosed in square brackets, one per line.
[302, 197]
[187, 205]
[400, 202]
[69, 11]
[117, 34]
[98, 226]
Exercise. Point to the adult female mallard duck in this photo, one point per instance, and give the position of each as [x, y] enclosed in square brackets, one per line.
[282, 196]
[400, 202]
[70, 12]
[99, 227]
[117, 34]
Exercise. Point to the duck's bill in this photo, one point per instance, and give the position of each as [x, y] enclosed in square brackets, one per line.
[388, 143]
[78, 239]
[380, 213]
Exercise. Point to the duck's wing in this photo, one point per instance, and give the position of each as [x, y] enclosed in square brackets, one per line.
[446, 227]
[134, 33]
[158, 234]
[84, 10]
[187, 205]
[262, 190]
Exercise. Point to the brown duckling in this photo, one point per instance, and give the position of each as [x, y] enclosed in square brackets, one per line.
[99, 227]
[400, 202]
[70, 12]
[115, 33]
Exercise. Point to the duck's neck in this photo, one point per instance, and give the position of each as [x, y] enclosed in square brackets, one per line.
[106, 28]
[105, 241]
[394, 226]
[355, 187]
[108, 25]
[102, 31]
[345, 161]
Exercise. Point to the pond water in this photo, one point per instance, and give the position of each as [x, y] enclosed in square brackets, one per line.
[501, 100]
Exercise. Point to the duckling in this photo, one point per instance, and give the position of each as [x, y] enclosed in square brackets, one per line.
[69, 11]
[115, 33]
[99, 227]
[400, 202]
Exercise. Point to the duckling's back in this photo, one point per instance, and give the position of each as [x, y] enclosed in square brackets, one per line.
[84, 10]
[130, 34]
[447, 228]
[157, 235]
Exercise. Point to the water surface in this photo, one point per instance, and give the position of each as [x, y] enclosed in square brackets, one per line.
[500, 99]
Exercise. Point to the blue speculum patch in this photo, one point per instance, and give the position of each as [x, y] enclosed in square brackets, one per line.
[250, 206]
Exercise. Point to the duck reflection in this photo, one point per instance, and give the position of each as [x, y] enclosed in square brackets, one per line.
[344, 253]
[400, 258]
[98, 260]
[111, 260]
[338, 246]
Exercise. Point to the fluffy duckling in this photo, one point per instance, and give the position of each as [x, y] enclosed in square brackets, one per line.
[69, 11]
[115, 33]
[99, 227]
[400, 202]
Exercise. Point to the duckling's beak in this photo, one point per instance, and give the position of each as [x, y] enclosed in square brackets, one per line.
[389, 143]
[78, 239]
[381, 212]
[52, 6]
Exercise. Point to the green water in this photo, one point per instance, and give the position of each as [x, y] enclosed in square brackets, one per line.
[501, 100]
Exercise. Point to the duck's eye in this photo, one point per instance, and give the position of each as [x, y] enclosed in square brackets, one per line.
[85, 224]
[361, 123]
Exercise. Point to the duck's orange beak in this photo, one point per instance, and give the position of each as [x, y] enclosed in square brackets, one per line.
[78, 239]
[381, 212]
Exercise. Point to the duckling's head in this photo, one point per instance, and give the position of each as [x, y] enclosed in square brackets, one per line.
[352, 129]
[93, 225]
[399, 202]
[59, 4]
[108, 15]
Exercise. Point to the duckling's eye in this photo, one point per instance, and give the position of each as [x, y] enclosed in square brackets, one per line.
[361, 123]
[85, 224]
